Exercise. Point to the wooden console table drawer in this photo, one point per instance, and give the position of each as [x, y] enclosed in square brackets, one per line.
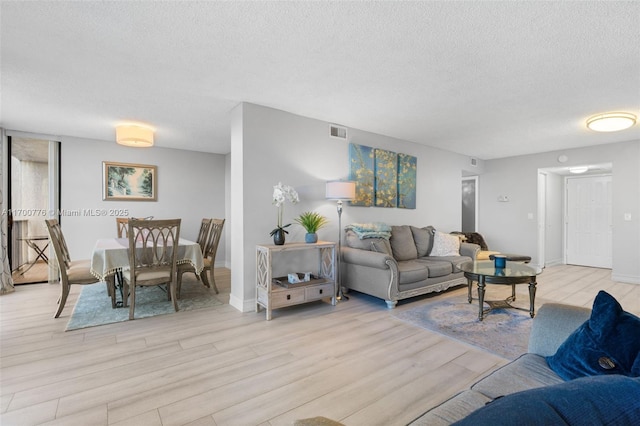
[318, 292]
[287, 297]
[270, 295]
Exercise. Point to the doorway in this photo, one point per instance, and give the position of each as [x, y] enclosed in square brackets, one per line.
[32, 198]
[589, 221]
[469, 204]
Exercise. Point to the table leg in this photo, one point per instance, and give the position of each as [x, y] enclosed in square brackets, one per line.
[469, 290]
[532, 297]
[481, 286]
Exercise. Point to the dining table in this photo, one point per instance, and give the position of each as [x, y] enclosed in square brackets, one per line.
[111, 257]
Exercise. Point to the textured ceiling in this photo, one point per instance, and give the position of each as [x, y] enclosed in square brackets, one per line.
[486, 79]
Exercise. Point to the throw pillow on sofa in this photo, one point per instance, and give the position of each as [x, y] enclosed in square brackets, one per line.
[423, 238]
[607, 343]
[445, 245]
[402, 244]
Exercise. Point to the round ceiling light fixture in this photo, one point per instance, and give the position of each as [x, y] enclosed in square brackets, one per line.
[578, 170]
[611, 121]
[134, 135]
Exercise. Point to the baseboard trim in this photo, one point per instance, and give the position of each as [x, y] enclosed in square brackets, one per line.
[242, 305]
[629, 279]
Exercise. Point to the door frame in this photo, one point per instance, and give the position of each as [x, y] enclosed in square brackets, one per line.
[54, 160]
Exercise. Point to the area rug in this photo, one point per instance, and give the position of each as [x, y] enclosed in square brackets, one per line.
[94, 305]
[504, 332]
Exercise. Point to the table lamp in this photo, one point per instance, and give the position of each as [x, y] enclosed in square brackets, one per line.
[340, 190]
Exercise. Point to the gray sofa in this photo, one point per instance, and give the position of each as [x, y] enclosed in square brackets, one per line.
[401, 267]
[551, 326]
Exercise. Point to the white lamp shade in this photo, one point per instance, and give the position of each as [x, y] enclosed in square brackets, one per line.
[341, 190]
[134, 135]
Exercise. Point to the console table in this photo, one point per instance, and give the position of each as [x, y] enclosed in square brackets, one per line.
[272, 293]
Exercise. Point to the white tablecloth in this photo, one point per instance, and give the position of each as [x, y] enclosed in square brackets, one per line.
[112, 254]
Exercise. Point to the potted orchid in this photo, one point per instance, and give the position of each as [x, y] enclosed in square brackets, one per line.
[282, 193]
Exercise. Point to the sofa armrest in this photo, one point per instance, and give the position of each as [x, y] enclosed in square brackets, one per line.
[552, 325]
[469, 249]
[366, 258]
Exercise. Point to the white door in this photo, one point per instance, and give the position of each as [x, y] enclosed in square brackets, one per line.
[589, 221]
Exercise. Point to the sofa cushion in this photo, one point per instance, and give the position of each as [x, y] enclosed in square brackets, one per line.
[453, 409]
[526, 372]
[607, 343]
[435, 267]
[423, 237]
[411, 272]
[445, 245]
[599, 400]
[379, 245]
[402, 244]
[454, 261]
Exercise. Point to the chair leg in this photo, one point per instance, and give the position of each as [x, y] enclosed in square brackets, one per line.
[213, 281]
[64, 293]
[203, 277]
[179, 278]
[172, 289]
[132, 302]
[111, 289]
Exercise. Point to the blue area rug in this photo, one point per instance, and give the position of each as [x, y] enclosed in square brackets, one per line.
[94, 304]
[503, 332]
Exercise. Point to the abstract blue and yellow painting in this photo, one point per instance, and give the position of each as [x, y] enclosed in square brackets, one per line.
[407, 167]
[361, 172]
[386, 171]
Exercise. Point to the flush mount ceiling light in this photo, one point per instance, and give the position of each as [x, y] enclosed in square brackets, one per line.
[134, 135]
[578, 170]
[611, 121]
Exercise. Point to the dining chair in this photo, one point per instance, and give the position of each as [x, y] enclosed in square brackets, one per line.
[71, 271]
[209, 255]
[153, 250]
[203, 235]
[123, 225]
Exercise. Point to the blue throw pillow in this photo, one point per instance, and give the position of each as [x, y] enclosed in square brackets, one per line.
[607, 343]
[588, 401]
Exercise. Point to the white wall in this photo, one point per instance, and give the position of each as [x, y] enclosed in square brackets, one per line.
[507, 228]
[554, 221]
[271, 146]
[191, 186]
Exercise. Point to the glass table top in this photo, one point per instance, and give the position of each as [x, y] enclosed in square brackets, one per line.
[512, 269]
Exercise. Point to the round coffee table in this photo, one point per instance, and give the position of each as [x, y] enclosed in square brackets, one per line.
[484, 272]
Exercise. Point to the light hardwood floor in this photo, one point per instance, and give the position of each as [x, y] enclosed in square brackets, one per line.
[355, 362]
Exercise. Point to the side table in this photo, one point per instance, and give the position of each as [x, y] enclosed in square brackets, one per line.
[270, 295]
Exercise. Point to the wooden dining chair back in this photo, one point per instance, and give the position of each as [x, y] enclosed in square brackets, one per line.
[123, 225]
[71, 272]
[203, 235]
[153, 250]
[209, 257]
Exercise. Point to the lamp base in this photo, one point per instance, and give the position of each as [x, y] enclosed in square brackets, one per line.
[341, 296]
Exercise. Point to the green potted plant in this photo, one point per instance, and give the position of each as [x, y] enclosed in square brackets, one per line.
[311, 222]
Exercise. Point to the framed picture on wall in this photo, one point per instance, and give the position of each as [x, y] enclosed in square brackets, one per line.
[129, 182]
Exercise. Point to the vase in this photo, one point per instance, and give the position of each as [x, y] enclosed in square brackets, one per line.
[278, 237]
[311, 238]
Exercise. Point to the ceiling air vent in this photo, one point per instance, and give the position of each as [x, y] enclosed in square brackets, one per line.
[474, 162]
[338, 132]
